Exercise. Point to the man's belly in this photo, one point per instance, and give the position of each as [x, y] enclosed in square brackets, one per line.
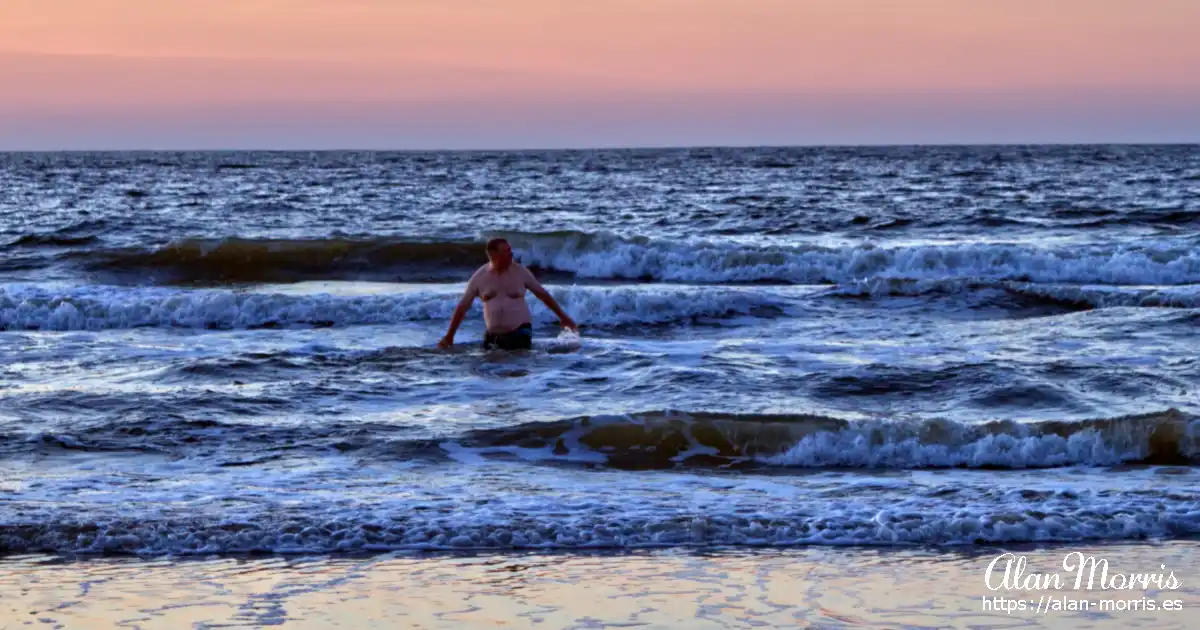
[505, 314]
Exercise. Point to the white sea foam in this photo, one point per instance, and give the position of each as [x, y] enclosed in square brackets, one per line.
[609, 256]
[97, 503]
[32, 307]
[901, 448]
[498, 506]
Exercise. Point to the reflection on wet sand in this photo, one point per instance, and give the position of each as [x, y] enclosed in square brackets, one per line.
[817, 587]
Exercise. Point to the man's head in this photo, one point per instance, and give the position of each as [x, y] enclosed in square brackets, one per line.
[499, 253]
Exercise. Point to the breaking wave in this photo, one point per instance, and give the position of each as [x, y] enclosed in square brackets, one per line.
[608, 256]
[669, 439]
[464, 510]
[675, 439]
[34, 307]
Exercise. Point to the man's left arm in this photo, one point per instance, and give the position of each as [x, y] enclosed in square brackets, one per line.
[542, 294]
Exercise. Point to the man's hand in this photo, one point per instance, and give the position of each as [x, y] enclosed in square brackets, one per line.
[460, 312]
[542, 294]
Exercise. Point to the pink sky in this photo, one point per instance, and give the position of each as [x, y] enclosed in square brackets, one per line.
[550, 73]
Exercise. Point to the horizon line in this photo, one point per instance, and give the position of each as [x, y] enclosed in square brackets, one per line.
[593, 148]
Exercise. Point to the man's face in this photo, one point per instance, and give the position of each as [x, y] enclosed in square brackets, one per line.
[501, 257]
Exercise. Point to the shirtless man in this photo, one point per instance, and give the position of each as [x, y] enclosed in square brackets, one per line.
[501, 285]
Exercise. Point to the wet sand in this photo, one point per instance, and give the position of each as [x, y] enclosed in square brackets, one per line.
[769, 588]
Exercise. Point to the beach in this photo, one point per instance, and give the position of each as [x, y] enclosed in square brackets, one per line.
[672, 588]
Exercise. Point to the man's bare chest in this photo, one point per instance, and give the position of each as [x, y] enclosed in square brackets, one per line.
[507, 284]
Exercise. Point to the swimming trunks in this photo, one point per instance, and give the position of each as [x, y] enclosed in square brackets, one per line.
[519, 339]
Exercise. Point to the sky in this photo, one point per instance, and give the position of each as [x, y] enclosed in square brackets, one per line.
[493, 74]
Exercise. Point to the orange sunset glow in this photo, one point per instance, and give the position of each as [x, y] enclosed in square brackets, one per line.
[544, 73]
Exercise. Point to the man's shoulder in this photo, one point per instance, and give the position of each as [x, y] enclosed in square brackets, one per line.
[477, 277]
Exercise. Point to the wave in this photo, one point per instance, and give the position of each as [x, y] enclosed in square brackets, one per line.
[1069, 296]
[53, 240]
[227, 439]
[1101, 297]
[100, 307]
[676, 439]
[609, 256]
[669, 439]
[1172, 217]
[474, 507]
[35, 307]
[1051, 516]
[74, 235]
[238, 260]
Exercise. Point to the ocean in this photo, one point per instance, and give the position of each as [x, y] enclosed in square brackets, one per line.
[785, 350]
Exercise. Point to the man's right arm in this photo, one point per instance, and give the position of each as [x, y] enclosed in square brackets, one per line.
[460, 312]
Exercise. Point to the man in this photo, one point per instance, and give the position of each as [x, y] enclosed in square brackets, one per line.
[501, 285]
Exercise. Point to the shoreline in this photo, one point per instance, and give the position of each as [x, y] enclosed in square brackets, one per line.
[966, 550]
